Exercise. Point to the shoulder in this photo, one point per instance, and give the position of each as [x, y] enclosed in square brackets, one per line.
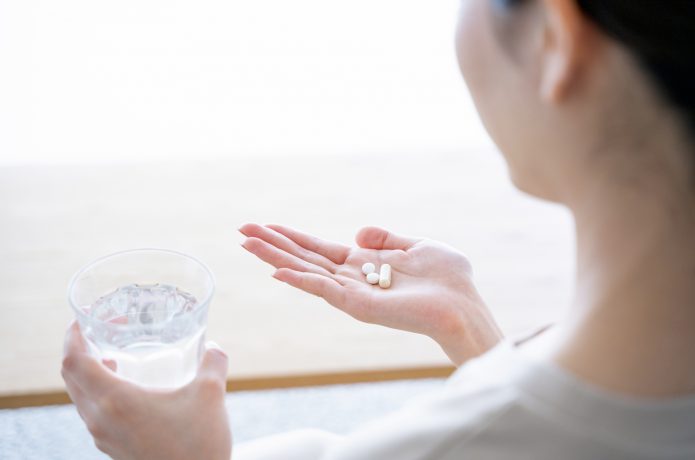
[472, 401]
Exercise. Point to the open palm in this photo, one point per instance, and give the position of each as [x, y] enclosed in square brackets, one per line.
[431, 293]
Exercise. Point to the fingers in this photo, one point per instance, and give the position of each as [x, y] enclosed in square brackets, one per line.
[278, 258]
[76, 395]
[212, 372]
[322, 286]
[335, 252]
[378, 238]
[74, 342]
[81, 368]
[282, 242]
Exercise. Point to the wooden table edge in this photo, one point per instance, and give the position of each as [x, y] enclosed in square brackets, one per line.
[50, 398]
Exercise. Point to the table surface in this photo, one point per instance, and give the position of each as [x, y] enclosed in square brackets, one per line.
[55, 218]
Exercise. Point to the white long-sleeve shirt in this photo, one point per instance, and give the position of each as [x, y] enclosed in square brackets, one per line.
[504, 405]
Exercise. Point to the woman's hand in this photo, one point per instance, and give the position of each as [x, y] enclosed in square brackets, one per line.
[131, 422]
[431, 293]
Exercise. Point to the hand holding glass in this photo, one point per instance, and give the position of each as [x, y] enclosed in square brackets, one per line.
[146, 310]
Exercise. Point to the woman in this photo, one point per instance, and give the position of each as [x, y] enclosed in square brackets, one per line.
[592, 103]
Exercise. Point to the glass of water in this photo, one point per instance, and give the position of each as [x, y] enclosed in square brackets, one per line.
[145, 309]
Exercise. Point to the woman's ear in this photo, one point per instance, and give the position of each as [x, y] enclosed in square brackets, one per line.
[565, 43]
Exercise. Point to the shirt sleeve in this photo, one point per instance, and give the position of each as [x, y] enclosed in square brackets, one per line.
[427, 427]
[308, 444]
[424, 429]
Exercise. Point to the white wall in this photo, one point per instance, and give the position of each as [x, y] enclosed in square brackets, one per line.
[108, 80]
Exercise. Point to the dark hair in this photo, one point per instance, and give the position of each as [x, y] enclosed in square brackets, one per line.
[661, 35]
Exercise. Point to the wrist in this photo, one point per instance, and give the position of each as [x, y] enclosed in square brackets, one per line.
[470, 334]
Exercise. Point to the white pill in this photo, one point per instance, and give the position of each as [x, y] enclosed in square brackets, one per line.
[373, 278]
[385, 276]
[368, 268]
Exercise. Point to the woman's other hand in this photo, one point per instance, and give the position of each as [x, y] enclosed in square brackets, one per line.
[131, 422]
[432, 291]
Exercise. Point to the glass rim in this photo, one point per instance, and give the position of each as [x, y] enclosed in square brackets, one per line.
[81, 314]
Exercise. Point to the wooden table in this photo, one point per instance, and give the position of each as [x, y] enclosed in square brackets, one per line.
[55, 218]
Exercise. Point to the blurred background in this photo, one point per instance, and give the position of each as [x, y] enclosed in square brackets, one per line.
[172, 79]
[170, 123]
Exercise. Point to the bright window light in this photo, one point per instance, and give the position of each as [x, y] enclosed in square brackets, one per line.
[155, 79]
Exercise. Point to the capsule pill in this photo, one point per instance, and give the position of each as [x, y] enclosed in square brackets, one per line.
[368, 268]
[385, 276]
[373, 278]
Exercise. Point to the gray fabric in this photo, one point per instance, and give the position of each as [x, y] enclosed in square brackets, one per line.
[57, 433]
[509, 403]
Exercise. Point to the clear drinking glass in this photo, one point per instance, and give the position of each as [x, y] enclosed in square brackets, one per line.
[145, 309]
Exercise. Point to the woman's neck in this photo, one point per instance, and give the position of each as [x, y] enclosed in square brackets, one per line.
[632, 325]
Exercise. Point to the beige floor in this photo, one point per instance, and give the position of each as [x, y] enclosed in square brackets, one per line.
[53, 219]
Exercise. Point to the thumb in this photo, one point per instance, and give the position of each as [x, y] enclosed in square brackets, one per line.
[378, 238]
[213, 367]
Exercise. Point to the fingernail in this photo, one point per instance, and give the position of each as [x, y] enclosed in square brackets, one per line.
[213, 345]
[111, 364]
[214, 348]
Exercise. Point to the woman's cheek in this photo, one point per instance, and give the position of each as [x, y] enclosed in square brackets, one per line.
[466, 41]
[476, 61]
[477, 58]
